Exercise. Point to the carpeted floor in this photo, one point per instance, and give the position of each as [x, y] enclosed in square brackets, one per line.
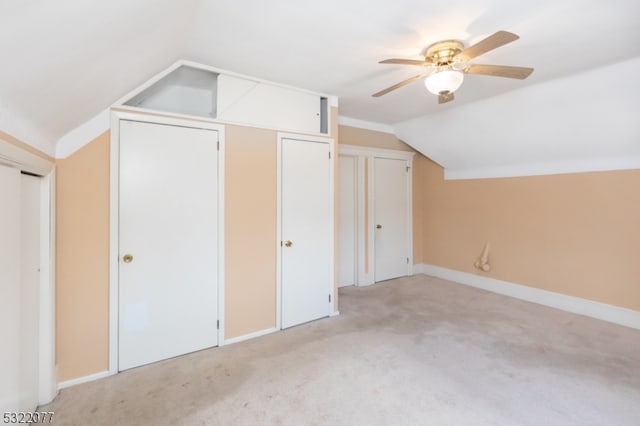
[416, 350]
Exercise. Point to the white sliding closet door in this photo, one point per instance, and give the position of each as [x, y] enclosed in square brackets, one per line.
[168, 270]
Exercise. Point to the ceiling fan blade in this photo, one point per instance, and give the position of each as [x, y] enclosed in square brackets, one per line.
[499, 71]
[445, 97]
[492, 42]
[398, 85]
[423, 62]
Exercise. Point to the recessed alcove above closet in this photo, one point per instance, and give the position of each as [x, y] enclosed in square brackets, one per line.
[197, 90]
[185, 90]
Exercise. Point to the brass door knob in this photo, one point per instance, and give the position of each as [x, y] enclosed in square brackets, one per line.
[378, 226]
[127, 258]
[288, 243]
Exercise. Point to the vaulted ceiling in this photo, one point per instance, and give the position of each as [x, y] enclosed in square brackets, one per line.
[64, 62]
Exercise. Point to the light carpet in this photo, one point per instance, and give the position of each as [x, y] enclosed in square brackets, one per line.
[416, 350]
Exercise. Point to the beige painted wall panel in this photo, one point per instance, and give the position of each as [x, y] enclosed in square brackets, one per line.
[370, 138]
[334, 128]
[82, 261]
[420, 167]
[575, 234]
[250, 230]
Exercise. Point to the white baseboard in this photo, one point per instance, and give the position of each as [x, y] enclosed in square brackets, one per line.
[418, 268]
[249, 336]
[83, 379]
[576, 305]
[334, 314]
[366, 280]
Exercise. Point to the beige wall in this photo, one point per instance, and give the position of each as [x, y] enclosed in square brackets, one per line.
[370, 138]
[250, 230]
[82, 261]
[82, 298]
[575, 234]
[420, 201]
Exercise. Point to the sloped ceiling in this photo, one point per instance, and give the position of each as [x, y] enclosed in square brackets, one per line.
[64, 62]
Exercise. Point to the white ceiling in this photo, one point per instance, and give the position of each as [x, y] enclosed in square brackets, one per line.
[64, 62]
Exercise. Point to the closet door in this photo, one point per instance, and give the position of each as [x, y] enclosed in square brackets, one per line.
[29, 291]
[10, 289]
[168, 269]
[391, 218]
[19, 290]
[305, 216]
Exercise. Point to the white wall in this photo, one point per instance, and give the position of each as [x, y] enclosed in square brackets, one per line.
[585, 122]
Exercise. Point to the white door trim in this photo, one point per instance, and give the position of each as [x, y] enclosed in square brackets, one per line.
[24, 160]
[116, 117]
[366, 155]
[410, 216]
[332, 228]
[370, 226]
[362, 278]
[366, 151]
[48, 385]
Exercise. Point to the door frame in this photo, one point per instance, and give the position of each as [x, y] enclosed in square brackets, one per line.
[332, 306]
[365, 215]
[21, 159]
[114, 222]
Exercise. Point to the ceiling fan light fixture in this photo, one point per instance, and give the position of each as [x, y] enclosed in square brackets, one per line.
[447, 81]
[448, 61]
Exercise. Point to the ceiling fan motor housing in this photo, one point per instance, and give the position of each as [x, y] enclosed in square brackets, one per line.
[443, 53]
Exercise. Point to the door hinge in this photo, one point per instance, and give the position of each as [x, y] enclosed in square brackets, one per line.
[329, 155]
[329, 298]
[218, 145]
[218, 324]
[408, 168]
[407, 260]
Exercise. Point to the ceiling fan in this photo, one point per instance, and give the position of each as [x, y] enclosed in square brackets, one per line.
[448, 62]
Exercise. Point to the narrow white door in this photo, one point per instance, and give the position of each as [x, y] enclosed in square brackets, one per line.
[305, 216]
[10, 305]
[19, 290]
[391, 201]
[347, 220]
[168, 266]
[29, 291]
